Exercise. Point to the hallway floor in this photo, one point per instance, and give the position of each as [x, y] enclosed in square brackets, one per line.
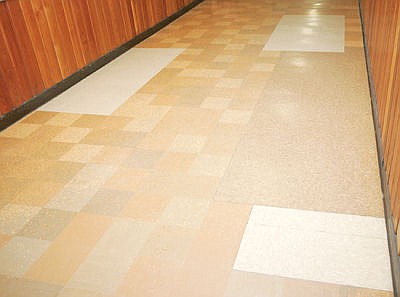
[231, 154]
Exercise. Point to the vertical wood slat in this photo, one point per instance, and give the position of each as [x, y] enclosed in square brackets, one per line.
[45, 41]
[382, 27]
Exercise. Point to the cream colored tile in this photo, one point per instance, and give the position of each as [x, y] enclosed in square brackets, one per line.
[146, 206]
[187, 144]
[82, 153]
[210, 165]
[175, 162]
[72, 135]
[13, 217]
[104, 269]
[19, 287]
[229, 83]
[47, 224]
[216, 103]
[236, 117]
[19, 254]
[108, 202]
[185, 212]
[112, 155]
[63, 119]
[147, 118]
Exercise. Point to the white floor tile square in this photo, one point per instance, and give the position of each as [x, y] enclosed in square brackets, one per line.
[105, 90]
[308, 33]
[326, 247]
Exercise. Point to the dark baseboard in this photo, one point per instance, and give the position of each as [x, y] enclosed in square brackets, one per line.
[48, 94]
[392, 240]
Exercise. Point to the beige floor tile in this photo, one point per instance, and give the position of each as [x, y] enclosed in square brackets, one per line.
[52, 150]
[185, 212]
[17, 287]
[68, 251]
[4, 239]
[143, 159]
[37, 193]
[72, 135]
[149, 277]
[216, 103]
[126, 179]
[169, 243]
[63, 119]
[175, 162]
[108, 202]
[10, 187]
[187, 144]
[362, 292]
[14, 217]
[246, 284]
[43, 134]
[81, 153]
[73, 292]
[157, 141]
[180, 185]
[112, 155]
[146, 118]
[104, 269]
[229, 83]
[113, 138]
[19, 254]
[294, 287]
[236, 117]
[38, 117]
[73, 198]
[19, 130]
[263, 67]
[101, 122]
[146, 207]
[209, 165]
[47, 224]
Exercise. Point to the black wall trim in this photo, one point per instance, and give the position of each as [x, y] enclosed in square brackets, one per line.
[48, 94]
[392, 241]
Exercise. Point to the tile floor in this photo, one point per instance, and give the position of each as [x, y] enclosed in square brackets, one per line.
[231, 170]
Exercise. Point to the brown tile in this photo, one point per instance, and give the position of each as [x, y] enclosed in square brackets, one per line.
[69, 249]
[146, 207]
[47, 224]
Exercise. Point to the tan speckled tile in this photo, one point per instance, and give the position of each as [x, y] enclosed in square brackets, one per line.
[293, 156]
[18, 287]
[72, 135]
[47, 224]
[13, 217]
[19, 130]
[108, 202]
[70, 248]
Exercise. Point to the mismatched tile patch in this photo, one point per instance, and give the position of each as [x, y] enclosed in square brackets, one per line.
[332, 248]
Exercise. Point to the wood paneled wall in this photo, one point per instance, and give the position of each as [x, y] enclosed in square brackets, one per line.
[44, 41]
[382, 26]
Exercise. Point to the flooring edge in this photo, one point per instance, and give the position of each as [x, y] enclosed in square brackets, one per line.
[392, 239]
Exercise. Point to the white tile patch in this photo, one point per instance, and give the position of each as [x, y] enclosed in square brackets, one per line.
[326, 247]
[308, 33]
[105, 90]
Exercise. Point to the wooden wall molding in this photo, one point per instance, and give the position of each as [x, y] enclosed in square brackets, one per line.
[175, 8]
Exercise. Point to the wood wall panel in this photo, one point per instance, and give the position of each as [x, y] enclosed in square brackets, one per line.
[382, 28]
[44, 41]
